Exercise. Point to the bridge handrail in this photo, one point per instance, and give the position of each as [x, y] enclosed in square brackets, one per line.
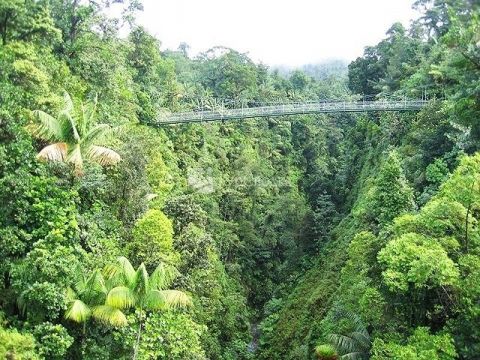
[291, 109]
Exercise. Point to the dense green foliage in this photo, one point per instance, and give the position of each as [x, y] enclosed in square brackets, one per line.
[408, 225]
[335, 236]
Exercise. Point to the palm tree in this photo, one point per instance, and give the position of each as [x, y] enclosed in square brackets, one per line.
[356, 344]
[74, 135]
[137, 289]
[87, 299]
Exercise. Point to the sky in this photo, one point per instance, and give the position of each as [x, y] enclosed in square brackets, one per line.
[281, 32]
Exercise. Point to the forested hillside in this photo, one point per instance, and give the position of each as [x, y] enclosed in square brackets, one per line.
[340, 236]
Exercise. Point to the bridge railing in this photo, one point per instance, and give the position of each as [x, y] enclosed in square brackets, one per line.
[290, 109]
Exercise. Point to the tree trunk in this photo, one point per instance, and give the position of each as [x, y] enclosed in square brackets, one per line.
[3, 28]
[467, 216]
[84, 337]
[466, 228]
[139, 334]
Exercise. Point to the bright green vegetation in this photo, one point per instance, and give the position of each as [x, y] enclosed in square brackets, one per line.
[340, 237]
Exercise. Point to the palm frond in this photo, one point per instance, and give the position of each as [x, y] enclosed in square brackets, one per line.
[78, 311]
[127, 269]
[362, 338]
[155, 300]
[355, 320]
[121, 272]
[163, 276]
[142, 281]
[70, 133]
[88, 115]
[96, 281]
[48, 128]
[97, 133]
[54, 152]
[356, 344]
[353, 356]
[67, 102]
[343, 343]
[79, 285]
[175, 299]
[112, 272]
[109, 315]
[120, 297]
[94, 290]
[103, 155]
[82, 121]
[70, 294]
[74, 156]
[65, 117]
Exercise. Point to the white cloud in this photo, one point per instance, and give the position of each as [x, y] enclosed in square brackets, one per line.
[276, 32]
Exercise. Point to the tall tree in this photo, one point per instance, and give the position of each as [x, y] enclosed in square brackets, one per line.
[142, 291]
[26, 20]
[392, 194]
[87, 299]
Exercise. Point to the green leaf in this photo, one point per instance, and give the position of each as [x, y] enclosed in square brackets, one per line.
[141, 285]
[48, 128]
[78, 311]
[176, 299]
[163, 276]
[120, 297]
[122, 272]
[110, 315]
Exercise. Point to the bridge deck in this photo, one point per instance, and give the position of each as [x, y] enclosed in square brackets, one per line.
[289, 109]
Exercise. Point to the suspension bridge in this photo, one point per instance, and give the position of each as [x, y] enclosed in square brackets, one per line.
[221, 113]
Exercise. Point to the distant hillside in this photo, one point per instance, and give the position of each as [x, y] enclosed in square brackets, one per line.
[319, 71]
